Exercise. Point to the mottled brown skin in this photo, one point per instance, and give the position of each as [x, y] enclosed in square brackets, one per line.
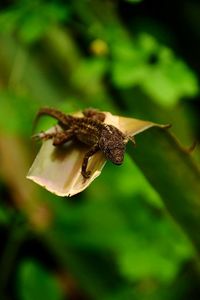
[91, 131]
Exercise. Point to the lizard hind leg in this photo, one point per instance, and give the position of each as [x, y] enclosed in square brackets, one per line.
[43, 136]
[58, 137]
[63, 137]
[94, 114]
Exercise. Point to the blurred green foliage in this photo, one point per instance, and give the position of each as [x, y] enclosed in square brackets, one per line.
[35, 282]
[32, 19]
[116, 240]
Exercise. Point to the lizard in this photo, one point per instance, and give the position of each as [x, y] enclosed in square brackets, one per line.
[91, 131]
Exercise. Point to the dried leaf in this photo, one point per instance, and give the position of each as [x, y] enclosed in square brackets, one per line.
[58, 169]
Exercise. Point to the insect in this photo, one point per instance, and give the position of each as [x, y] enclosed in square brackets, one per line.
[91, 131]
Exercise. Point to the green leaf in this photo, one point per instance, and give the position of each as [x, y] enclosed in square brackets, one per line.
[34, 282]
[175, 176]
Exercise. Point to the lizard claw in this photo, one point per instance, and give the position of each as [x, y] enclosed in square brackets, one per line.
[37, 136]
[41, 136]
[86, 174]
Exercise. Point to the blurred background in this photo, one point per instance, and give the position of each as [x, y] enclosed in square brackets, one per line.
[116, 240]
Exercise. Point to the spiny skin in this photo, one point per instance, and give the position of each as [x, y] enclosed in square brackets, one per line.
[91, 131]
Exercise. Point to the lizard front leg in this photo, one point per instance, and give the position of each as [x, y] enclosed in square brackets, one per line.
[92, 151]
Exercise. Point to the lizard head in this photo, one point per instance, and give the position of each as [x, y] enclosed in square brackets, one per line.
[112, 143]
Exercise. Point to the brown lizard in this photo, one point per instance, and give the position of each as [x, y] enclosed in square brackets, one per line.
[90, 130]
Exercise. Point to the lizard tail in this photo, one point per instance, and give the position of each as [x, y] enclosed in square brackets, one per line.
[62, 118]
